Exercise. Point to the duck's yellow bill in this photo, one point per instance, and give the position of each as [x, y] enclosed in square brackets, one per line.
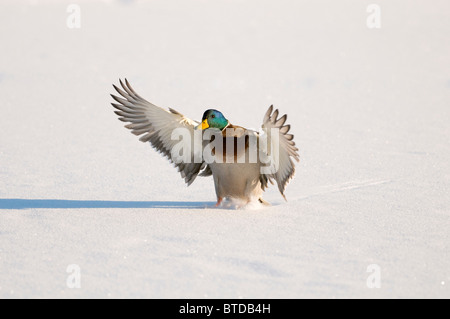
[203, 125]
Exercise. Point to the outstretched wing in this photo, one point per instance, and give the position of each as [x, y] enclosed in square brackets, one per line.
[155, 125]
[277, 151]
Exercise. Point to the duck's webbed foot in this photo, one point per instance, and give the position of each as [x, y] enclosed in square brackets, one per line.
[219, 201]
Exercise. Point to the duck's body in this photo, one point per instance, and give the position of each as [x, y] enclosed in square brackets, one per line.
[237, 172]
[239, 181]
[236, 177]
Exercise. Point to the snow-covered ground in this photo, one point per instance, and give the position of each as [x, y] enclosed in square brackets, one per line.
[370, 110]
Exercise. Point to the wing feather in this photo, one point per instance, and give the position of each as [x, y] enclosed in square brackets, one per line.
[285, 168]
[155, 125]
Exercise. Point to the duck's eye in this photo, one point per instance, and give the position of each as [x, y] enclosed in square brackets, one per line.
[213, 116]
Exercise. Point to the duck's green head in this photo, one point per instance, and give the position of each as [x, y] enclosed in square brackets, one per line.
[213, 119]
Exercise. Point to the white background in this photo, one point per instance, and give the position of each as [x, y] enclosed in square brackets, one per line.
[369, 109]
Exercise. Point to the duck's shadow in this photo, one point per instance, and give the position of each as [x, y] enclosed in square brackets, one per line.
[16, 203]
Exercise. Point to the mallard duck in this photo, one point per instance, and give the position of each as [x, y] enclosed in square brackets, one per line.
[235, 176]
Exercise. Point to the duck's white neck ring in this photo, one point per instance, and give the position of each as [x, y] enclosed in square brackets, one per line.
[226, 126]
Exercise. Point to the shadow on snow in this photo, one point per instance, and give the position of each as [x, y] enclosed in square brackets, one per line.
[13, 203]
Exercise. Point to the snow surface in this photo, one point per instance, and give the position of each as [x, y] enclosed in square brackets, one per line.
[369, 109]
